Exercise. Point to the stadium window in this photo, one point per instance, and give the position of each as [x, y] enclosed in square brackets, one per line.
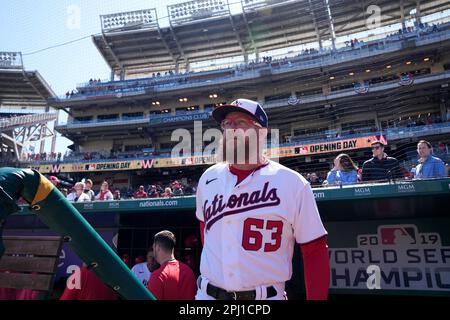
[181, 111]
[133, 115]
[166, 146]
[358, 125]
[309, 92]
[342, 87]
[135, 148]
[382, 79]
[422, 71]
[310, 132]
[277, 97]
[192, 108]
[83, 119]
[107, 117]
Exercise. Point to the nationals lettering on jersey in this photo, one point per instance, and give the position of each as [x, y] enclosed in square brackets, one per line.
[251, 228]
[238, 203]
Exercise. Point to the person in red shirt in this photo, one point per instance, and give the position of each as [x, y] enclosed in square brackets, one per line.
[140, 194]
[90, 288]
[173, 280]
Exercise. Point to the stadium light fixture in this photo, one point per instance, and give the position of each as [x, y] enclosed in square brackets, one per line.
[195, 10]
[140, 18]
[332, 78]
[408, 62]
[388, 66]
[368, 70]
[351, 74]
[213, 96]
[426, 59]
[156, 103]
[11, 60]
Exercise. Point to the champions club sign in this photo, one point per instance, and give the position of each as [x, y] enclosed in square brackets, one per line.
[406, 259]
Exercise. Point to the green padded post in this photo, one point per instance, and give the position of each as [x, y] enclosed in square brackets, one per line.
[62, 218]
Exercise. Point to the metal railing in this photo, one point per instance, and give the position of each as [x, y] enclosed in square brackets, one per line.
[13, 122]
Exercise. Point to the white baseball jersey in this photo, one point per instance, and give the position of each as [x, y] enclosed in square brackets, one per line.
[141, 271]
[251, 228]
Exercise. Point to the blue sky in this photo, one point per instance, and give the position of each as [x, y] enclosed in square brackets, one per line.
[29, 26]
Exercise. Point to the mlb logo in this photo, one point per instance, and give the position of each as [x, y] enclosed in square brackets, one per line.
[397, 235]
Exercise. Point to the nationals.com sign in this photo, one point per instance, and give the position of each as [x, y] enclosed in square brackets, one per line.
[399, 257]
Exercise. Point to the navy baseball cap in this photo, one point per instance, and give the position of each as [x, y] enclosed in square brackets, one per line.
[249, 107]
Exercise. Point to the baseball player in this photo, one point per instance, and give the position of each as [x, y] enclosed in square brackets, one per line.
[251, 214]
[144, 270]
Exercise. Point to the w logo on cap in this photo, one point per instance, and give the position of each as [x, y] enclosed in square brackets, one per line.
[237, 103]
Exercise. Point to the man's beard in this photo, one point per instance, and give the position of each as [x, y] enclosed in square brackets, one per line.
[240, 150]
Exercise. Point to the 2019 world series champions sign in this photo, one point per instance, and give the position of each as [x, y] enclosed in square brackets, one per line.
[381, 255]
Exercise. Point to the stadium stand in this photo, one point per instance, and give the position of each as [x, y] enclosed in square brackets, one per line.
[24, 111]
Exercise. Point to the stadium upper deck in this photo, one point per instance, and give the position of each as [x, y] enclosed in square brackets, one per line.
[23, 94]
[21, 88]
[135, 43]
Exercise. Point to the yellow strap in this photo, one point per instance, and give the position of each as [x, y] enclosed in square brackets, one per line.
[44, 188]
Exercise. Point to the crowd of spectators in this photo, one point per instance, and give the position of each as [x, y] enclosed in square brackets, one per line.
[411, 122]
[83, 191]
[421, 28]
[44, 156]
[430, 161]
